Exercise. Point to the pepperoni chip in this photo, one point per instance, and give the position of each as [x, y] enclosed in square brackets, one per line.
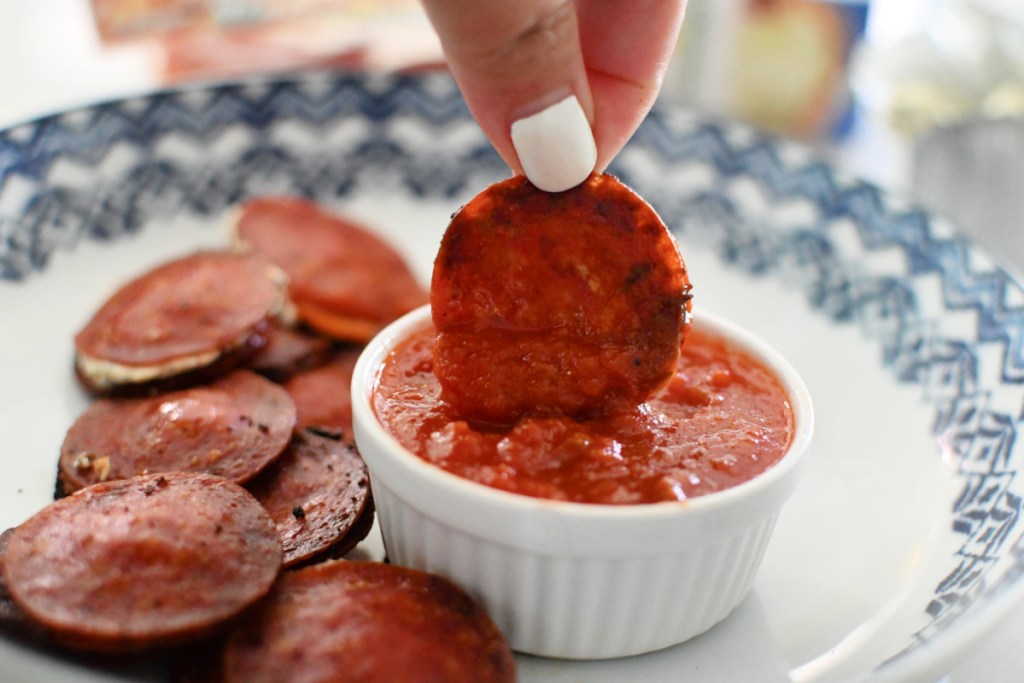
[232, 428]
[179, 318]
[287, 351]
[143, 562]
[571, 303]
[368, 622]
[12, 619]
[323, 396]
[5, 537]
[316, 493]
[344, 281]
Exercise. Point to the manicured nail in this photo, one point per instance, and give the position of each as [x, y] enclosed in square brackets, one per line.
[556, 146]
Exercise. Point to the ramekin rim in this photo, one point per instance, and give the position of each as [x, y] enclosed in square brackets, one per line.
[366, 374]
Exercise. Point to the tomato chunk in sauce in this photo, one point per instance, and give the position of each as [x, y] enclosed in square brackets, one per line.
[722, 419]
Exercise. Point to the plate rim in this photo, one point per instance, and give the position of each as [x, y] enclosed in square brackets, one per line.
[980, 617]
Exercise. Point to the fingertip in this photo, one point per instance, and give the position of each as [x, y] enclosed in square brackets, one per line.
[556, 146]
[512, 60]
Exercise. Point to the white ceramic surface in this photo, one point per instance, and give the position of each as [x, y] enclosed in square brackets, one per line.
[902, 546]
[570, 580]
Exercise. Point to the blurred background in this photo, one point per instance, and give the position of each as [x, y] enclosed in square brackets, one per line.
[922, 97]
[865, 80]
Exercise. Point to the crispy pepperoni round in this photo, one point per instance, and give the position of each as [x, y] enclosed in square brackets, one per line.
[315, 493]
[323, 396]
[344, 281]
[233, 428]
[143, 562]
[368, 622]
[183, 315]
[569, 303]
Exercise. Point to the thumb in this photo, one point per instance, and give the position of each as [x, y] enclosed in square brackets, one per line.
[520, 67]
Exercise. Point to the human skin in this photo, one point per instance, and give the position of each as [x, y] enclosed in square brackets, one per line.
[515, 59]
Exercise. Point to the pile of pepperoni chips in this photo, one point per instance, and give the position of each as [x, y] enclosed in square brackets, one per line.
[217, 453]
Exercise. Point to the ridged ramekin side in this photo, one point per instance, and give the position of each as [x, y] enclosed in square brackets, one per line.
[581, 607]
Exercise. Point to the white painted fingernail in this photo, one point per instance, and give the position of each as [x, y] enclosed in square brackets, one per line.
[556, 146]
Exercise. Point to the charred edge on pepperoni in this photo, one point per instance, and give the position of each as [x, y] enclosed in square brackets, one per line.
[359, 530]
[221, 366]
[332, 434]
[59, 490]
[452, 252]
[639, 272]
[156, 485]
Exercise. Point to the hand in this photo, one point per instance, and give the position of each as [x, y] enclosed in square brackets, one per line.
[558, 86]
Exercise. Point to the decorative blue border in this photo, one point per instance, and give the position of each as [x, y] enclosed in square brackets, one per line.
[57, 214]
[56, 188]
[980, 438]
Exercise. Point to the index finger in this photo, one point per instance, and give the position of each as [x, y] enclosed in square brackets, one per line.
[513, 60]
[626, 48]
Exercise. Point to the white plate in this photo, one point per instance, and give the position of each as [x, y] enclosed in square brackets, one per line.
[904, 540]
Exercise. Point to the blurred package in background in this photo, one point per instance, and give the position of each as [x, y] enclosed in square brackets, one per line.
[955, 91]
[778, 64]
[966, 61]
[210, 39]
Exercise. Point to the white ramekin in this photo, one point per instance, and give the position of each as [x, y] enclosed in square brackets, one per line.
[576, 580]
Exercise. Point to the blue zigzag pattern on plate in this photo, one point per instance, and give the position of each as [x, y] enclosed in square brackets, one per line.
[57, 211]
[978, 436]
[105, 171]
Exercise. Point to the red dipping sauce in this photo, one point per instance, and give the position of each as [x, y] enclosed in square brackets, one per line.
[723, 419]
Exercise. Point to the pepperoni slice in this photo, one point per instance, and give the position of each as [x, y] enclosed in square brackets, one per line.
[12, 618]
[570, 303]
[185, 315]
[316, 493]
[353, 301]
[143, 562]
[232, 428]
[344, 281]
[375, 623]
[287, 351]
[323, 396]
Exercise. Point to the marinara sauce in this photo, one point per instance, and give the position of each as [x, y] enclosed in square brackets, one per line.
[722, 419]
